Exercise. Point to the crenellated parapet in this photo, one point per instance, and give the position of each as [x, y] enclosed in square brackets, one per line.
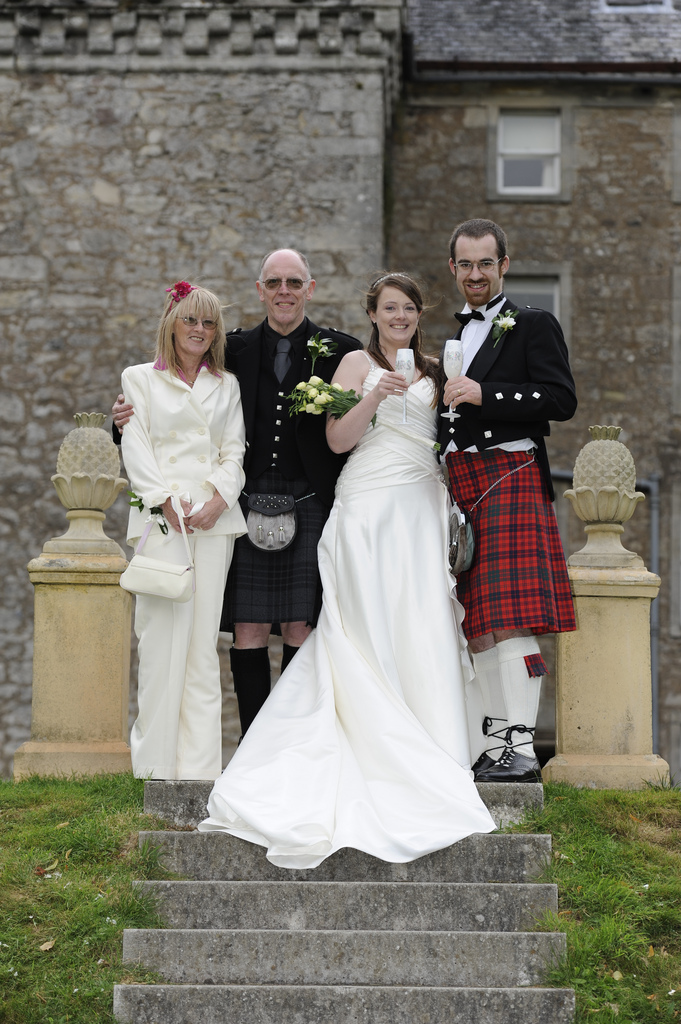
[258, 36]
[245, 35]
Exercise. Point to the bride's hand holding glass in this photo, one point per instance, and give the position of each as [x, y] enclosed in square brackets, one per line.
[390, 383]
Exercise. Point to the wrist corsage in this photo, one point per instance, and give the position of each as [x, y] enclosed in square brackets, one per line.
[155, 512]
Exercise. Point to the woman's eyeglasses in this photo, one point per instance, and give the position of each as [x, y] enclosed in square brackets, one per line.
[192, 321]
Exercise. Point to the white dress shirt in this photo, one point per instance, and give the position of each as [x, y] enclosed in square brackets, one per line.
[473, 336]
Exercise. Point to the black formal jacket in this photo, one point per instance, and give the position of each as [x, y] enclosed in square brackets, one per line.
[243, 355]
[526, 381]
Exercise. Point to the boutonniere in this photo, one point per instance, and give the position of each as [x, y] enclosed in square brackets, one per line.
[502, 323]
[319, 346]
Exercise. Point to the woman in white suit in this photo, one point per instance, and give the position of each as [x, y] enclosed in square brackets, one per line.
[184, 449]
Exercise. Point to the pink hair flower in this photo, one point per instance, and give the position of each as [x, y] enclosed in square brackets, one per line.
[180, 290]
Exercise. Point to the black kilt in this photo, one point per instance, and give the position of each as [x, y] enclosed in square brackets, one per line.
[277, 586]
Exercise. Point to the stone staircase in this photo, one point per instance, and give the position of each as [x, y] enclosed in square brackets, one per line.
[446, 939]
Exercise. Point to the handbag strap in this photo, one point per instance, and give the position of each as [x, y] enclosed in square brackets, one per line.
[180, 515]
[145, 536]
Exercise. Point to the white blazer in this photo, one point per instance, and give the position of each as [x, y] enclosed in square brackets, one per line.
[184, 440]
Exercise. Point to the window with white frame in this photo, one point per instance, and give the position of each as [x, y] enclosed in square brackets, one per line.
[528, 152]
[539, 292]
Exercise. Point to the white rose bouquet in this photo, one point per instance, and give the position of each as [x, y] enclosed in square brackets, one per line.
[315, 396]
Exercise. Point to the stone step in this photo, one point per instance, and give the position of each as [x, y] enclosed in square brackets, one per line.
[207, 856]
[283, 1004]
[184, 803]
[403, 906]
[222, 956]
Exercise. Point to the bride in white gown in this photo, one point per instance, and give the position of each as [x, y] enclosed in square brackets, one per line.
[363, 741]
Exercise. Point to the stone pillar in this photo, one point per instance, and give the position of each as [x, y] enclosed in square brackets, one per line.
[604, 736]
[81, 657]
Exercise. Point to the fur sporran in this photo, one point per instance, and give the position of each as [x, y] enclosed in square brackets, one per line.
[271, 521]
[461, 540]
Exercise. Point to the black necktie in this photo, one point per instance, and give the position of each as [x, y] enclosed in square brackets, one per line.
[282, 359]
[465, 318]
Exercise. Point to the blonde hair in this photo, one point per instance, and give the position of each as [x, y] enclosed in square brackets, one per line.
[199, 303]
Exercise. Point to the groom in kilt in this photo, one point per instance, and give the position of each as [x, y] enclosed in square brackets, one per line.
[279, 591]
[515, 378]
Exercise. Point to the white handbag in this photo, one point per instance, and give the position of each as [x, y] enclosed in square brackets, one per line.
[151, 576]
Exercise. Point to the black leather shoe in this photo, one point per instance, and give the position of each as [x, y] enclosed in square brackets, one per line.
[482, 764]
[512, 767]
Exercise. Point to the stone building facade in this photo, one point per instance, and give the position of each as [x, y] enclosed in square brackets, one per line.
[144, 142]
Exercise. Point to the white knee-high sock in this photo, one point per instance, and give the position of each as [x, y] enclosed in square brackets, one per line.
[486, 665]
[518, 658]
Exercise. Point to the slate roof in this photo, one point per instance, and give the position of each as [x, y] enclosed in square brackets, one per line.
[569, 37]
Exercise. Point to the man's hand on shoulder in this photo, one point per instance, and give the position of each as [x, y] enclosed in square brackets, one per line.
[121, 412]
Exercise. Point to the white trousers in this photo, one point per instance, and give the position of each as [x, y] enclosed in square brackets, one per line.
[178, 731]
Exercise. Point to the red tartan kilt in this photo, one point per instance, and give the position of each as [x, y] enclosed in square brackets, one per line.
[518, 579]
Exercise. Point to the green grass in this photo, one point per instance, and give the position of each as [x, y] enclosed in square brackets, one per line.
[68, 856]
[617, 863]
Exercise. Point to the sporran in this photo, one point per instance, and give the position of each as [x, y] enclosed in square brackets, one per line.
[461, 540]
[271, 521]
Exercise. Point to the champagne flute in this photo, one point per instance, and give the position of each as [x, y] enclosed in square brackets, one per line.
[452, 362]
[404, 364]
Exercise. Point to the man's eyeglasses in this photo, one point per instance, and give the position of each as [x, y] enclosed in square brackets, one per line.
[192, 321]
[465, 266]
[294, 284]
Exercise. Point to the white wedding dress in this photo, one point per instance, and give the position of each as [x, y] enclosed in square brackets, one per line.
[363, 741]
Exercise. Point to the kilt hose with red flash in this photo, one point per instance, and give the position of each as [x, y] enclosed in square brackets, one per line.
[518, 579]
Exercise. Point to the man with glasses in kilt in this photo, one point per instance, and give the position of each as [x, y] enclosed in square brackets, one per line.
[279, 591]
[515, 378]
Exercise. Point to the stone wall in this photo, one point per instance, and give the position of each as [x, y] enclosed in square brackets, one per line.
[619, 237]
[139, 149]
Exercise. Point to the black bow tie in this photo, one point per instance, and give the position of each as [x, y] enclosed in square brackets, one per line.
[465, 318]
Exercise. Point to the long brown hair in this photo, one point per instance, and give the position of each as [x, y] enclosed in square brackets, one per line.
[425, 367]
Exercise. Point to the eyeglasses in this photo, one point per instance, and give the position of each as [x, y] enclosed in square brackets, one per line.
[294, 284]
[192, 321]
[465, 266]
